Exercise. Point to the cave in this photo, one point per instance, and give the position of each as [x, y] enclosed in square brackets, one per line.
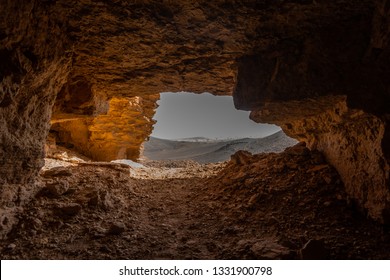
[87, 75]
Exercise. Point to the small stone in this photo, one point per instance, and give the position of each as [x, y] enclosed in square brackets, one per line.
[100, 199]
[11, 246]
[241, 157]
[98, 232]
[57, 171]
[117, 228]
[327, 203]
[56, 189]
[36, 223]
[269, 250]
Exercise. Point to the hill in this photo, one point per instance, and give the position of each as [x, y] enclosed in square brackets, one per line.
[213, 150]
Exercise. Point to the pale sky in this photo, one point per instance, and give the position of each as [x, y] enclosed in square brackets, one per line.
[185, 115]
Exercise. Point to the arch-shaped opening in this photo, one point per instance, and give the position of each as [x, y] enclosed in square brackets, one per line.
[207, 128]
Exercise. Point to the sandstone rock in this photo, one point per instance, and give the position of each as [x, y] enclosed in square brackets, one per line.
[113, 165]
[109, 136]
[57, 172]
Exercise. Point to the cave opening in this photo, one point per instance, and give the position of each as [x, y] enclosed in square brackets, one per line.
[207, 128]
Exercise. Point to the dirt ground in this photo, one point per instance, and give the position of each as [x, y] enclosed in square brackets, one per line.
[268, 206]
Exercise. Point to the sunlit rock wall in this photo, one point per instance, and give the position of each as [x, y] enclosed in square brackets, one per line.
[117, 134]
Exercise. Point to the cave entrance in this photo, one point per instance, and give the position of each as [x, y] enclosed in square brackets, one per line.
[207, 129]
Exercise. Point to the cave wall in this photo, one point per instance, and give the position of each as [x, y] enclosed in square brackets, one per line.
[350, 139]
[115, 134]
[332, 91]
[33, 68]
[83, 59]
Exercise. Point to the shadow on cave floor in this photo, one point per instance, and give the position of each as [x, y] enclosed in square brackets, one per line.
[267, 206]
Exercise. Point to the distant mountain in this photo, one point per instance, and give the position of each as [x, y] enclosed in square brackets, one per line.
[204, 151]
[195, 139]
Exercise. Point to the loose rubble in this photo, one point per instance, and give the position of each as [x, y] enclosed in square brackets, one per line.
[267, 206]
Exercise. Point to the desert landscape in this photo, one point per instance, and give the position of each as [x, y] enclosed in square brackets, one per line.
[205, 150]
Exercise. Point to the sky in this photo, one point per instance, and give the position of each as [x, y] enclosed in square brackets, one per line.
[186, 115]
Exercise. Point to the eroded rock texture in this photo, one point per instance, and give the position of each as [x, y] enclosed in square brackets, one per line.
[331, 91]
[33, 69]
[96, 56]
[116, 134]
[349, 138]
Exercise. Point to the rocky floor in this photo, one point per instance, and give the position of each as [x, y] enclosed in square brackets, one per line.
[268, 206]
